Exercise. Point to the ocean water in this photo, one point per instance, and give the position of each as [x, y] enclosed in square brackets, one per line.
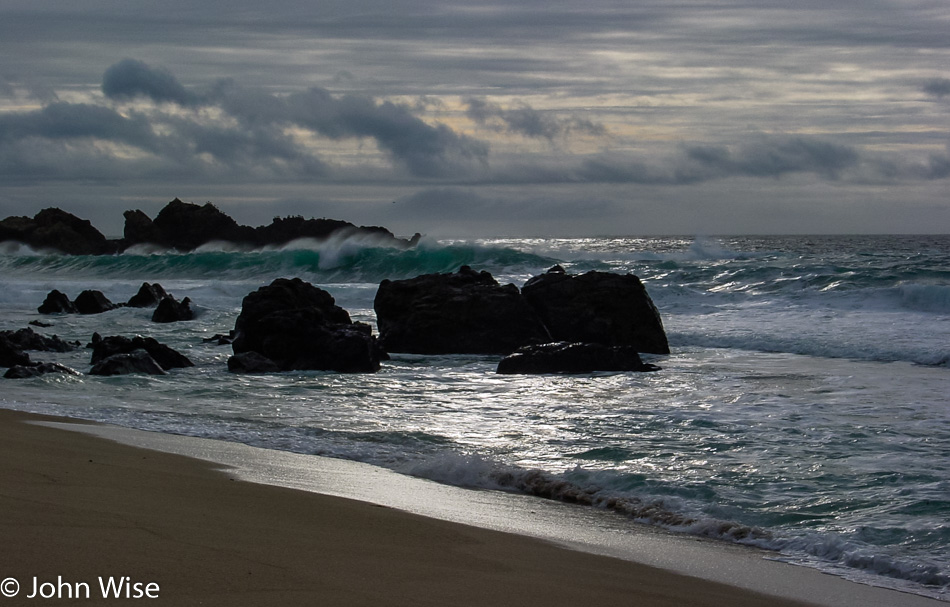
[805, 407]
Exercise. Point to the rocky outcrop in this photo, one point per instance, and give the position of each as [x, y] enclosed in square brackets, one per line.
[171, 310]
[57, 302]
[572, 358]
[93, 302]
[136, 361]
[147, 296]
[597, 307]
[251, 362]
[107, 347]
[54, 228]
[299, 326]
[37, 369]
[186, 226]
[467, 312]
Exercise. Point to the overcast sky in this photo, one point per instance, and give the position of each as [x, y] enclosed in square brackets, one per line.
[470, 118]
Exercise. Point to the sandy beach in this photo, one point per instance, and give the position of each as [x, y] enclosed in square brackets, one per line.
[80, 511]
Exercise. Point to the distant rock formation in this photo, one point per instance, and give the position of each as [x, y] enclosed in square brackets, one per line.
[572, 358]
[183, 226]
[298, 326]
[467, 312]
[56, 229]
[597, 307]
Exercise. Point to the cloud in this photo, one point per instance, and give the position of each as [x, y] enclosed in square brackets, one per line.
[774, 157]
[527, 121]
[937, 87]
[130, 78]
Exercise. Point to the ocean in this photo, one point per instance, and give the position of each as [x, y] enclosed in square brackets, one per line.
[805, 408]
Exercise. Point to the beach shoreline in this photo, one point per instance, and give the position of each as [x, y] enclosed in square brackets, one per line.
[79, 509]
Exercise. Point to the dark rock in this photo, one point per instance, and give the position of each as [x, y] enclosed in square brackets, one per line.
[136, 361]
[251, 362]
[167, 358]
[171, 310]
[467, 312]
[57, 303]
[93, 302]
[299, 326]
[11, 355]
[28, 339]
[565, 357]
[597, 307]
[26, 371]
[187, 226]
[56, 229]
[148, 295]
[40, 323]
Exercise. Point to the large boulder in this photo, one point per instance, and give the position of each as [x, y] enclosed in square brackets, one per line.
[166, 357]
[54, 228]
[597, 307]
[136, 361]
[57, 302]
[93, 302]
[467, 312]
[576, 358]
[299, 326]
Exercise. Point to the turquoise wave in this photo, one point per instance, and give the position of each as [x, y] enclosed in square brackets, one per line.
[341, 263]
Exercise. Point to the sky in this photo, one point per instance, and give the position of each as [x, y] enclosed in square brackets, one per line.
[481, 119]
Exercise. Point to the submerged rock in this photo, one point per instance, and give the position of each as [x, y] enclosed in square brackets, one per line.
[136, 361]
[572, 358]
[299, 326]
[37, 369]
[597, 307]
[467, 312]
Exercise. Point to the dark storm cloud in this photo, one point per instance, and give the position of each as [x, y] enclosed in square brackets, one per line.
[426, 150]
[129, 78]
[527, 121]
[62, 121]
